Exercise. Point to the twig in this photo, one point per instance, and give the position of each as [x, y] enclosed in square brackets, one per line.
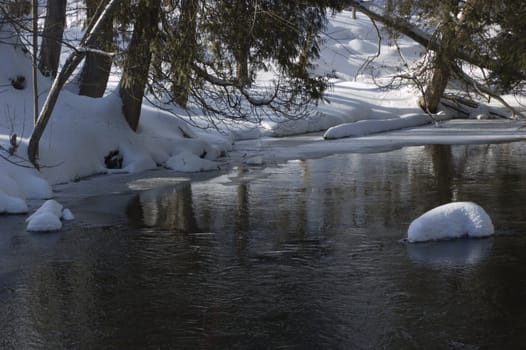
[371, 58]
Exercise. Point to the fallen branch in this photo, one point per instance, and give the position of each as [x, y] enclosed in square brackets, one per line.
[485, 90]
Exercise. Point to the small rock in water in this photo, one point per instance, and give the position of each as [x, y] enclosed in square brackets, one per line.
[453, 220]
[48, 217]
[67, 215]
[44, 222]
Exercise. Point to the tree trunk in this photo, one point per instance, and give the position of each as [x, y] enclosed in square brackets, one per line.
[96, 70]
[137, 63]
[34, 68]
[52, 37]
[187, 46]
[242, 58]
[430, 102]
[305, 50]
[19, 8]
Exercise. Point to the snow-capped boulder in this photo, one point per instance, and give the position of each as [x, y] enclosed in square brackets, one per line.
[67, 215]
[452, 220]
[44, 222]
[48, 217]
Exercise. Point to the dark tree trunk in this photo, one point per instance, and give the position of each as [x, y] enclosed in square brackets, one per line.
[137, 63]
[19, 8]
[52, 37]
[242, 57]
[441, 68]
[96, 70]
[182, 65]
[305, 53]
[436, 87]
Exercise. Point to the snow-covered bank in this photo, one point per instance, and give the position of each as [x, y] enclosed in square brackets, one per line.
[272, 150]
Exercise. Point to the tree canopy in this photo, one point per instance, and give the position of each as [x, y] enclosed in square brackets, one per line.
[213, 54]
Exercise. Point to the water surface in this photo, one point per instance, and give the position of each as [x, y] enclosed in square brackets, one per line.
[306, 254]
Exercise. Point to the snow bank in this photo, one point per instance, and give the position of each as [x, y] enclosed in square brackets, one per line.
[48, 217]
[12, 205]
[17, 184]
[449, 221]
[366, 127]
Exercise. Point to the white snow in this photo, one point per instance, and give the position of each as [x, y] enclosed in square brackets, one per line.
[67, 215]
[452, 220]
[366, 127]
[48, 217]
[83, 130]
[188, 162]
[12, 205]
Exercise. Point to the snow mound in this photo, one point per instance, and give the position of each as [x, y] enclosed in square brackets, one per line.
[48, 217]
[12, 205]
[188, 162]
[366, 127]
[452, 220]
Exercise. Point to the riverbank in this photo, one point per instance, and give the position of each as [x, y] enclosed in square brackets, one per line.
[101, 200]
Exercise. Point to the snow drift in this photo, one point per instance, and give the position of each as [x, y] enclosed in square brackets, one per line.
[367, 127]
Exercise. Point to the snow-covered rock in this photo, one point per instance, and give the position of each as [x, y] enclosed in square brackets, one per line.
[48, 217]
[44, 222]
[452, 220]
[67, 215]
[188, 162]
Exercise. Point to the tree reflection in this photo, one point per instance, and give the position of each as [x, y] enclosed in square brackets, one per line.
[168, 208]
[443, 171]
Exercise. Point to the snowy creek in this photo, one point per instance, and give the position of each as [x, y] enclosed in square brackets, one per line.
[305, 254]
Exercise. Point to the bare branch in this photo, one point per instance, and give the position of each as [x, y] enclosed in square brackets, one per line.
[371, 58]
[485, 90]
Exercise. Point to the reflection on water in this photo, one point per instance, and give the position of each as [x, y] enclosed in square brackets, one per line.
[301, 255]
[166, 207]
[459, 252]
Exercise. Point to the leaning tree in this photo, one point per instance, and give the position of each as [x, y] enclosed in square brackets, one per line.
[460, 35]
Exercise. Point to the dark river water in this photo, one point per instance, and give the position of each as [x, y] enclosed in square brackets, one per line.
[307, 255]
